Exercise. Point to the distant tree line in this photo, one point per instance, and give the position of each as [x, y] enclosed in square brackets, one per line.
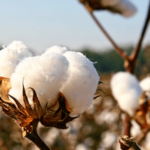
[110, 61]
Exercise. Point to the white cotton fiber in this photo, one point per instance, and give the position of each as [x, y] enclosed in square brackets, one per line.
[46, 74]
[57, 49]
[11, 56]
[145, 85]
[82, 82]
[125, 7]
[127, 91]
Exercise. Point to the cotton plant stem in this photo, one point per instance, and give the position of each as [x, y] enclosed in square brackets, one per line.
[119, 50]
[135, 53]
[34, 137]
[127, 125]
[137, 48]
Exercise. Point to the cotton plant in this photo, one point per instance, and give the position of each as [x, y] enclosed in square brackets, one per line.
[53, 88]
[127, 91]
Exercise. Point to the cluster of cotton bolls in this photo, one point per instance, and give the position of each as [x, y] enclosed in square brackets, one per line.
[127, 91]
[56, 70]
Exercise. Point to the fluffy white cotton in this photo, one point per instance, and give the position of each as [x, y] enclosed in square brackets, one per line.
[145, 85]
[82, 82]
[46, 74]
[57, 49]
[57, 70]
[11, 56]
[127, 91]
[125, 7]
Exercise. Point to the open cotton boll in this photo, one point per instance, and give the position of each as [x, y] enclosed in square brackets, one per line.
[125, 7]
[127, 91]
[46, 74]
[11, 56]
[57, 49]
[145, 85]
[81, 84]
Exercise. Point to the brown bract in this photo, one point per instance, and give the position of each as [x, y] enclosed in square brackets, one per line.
[142, 114]
[28, 117]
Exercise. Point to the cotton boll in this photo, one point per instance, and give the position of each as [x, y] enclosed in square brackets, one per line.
[127, 91]
[125, 7]
[57, 49]
[46, 74]
[145, 85]
[11, 56]
[81, 84]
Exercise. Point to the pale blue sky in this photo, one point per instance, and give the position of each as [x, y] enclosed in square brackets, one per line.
[42, 24]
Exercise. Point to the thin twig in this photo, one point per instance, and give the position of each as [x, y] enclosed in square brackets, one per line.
[135, 53]
[119, 50]
[127, 125]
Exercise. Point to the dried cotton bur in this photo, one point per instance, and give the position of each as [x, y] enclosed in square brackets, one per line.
[142, 115]
[53, 88]
[126, 143]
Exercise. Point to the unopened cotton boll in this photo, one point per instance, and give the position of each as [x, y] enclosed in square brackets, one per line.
[57, 49]
[81, 85]
[11, 56]
[46, 74]
[127, 91]
[145, 85]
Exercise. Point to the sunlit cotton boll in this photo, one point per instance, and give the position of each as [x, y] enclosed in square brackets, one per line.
[11, 56]
[82, 83]
[57, 49]
[145, 85]
[46, 74]
[127, 91]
